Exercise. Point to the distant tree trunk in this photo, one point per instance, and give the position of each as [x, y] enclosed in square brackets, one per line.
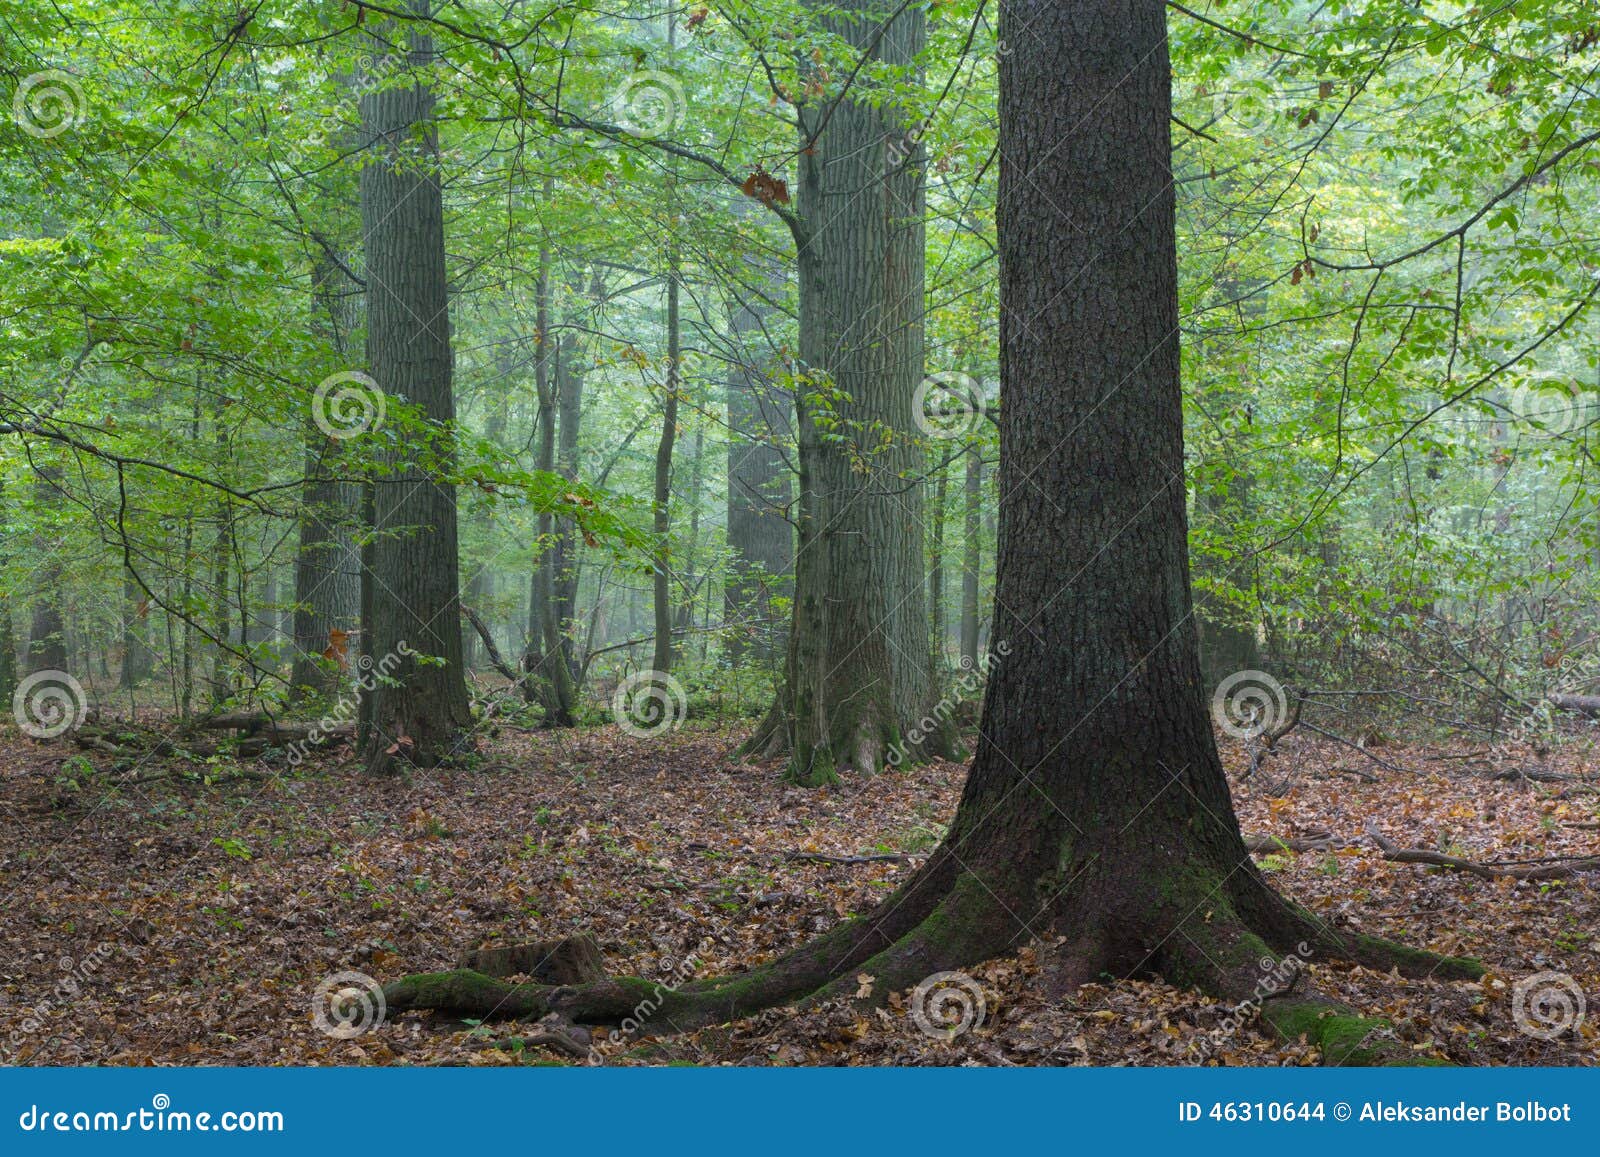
[760, 535]
[941, 492]
[138, 659]
[47, 641]
[421, 709]
[662, 585]
[859, 681]
[8, 629]
[971, 557]
[327, 572]
[549, 676]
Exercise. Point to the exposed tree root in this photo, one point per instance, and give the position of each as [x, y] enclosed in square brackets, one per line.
[946, 918]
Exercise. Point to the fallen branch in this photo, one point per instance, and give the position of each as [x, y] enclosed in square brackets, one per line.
[1543, 871]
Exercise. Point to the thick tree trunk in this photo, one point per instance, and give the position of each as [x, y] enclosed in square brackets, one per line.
[1096, 811]
[859, 681]
[419, 711]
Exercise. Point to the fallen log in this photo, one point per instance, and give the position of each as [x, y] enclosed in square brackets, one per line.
[1588, 704]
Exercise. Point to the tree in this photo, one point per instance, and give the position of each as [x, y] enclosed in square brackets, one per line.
[1096, 810]
[419, 712]
[760, 536]
[859, 674]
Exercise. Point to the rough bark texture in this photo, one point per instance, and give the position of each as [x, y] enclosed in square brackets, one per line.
[1096, 810]
[859, 678]
[419, 716]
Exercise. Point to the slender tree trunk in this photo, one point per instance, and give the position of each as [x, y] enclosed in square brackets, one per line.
[8, 629]
[941, 492]
[420, 708]
[859, 682]
[545, 655]
[971, 557]
[662, 585]
[47, 640]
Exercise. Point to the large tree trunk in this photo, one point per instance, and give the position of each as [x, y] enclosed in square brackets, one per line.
[1096, 810]
[420, 709]
[859, 680]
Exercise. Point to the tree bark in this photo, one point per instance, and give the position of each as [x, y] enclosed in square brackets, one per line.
[971, 557]
[419, 712]
[859, 679]
[661, 585]
[1096, 819]
[546, 656]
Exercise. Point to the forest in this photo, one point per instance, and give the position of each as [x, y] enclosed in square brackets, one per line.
[636, 533]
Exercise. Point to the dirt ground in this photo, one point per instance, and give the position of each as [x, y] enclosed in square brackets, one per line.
[184, 923]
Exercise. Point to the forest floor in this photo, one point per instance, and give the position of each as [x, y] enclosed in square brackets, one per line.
[186, 924]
